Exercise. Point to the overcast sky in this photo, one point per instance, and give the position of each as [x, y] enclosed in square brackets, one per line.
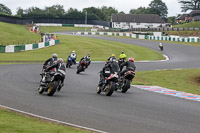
[121, 5]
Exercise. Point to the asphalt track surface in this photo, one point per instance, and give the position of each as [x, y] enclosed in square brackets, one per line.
[137, 111]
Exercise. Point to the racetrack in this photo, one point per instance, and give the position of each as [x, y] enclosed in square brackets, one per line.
[136, 111]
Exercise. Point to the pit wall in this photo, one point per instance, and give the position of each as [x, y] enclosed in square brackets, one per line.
[149, 37]
[25, 47]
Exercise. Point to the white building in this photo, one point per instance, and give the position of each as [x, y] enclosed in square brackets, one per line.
[128, 21]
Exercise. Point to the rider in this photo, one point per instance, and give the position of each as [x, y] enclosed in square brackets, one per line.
[122, 58]
[130, 66]
[111, 66]
[73, 56]
[161, 46]
[50, 61]
[87, 59]
[59, 67]
[112, 57]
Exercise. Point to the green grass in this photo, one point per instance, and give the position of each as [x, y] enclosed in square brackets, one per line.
[12, 122]
[48, 29]
[184, 33]
[17, 34]
[99, 50]
[180, 80]
[191, 24]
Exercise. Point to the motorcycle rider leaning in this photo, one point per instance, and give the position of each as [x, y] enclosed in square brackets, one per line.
[130, 66]
[73, 56]
[87, 59]
[111, 66]
[59, 67]
[50, 61]
[122, 58]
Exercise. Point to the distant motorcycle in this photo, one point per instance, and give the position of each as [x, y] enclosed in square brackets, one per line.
[50, 82]
[69, 62]
[124, 82]
[82, 66]
[161, 47]
[109, 85]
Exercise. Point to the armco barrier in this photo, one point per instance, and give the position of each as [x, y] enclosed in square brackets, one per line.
[149, 37]
[18, 48]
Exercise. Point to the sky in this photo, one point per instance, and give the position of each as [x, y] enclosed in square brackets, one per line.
[121, 5]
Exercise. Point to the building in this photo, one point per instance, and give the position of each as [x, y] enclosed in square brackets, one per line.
[192, 16]
[128, 21]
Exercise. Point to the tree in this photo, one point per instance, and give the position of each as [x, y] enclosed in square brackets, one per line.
[189, 5]
[94, 13]
[74, 13]
[55, 11]
[107, 11]
[140, 10]
[20, 11]
[158, 7]
[171, 20]
[5, 10]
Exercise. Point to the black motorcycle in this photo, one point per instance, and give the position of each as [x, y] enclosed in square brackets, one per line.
[50, 82]
[82, 66]
[124, 82]
[108, 86]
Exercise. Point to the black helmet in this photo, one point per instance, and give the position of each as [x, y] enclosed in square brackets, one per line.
[122, 52]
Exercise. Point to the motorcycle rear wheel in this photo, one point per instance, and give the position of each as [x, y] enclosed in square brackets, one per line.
[126, 86]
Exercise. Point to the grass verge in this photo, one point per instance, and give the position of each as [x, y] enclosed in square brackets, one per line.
[17, 34]
[12, 122]
[186, 80]
[99, 50]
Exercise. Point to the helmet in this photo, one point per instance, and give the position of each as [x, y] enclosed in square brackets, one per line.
[73, 51]
[60, 60]
[131, 59]
[54, 55]
[112, 59]
[88, 56]
[122, 52]
[113, 55]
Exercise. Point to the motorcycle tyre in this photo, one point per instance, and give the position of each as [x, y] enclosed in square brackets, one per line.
[109, 91]
[55, 86]
[126, 86]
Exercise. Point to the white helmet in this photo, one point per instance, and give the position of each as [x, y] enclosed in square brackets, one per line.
[73, 51]
[60, 60]
[54, 55]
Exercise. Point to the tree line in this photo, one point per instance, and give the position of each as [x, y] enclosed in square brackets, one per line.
[102, 13]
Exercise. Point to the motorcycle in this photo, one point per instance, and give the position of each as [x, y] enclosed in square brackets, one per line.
[50, 82]
[161, 47]
[82, 66]
[69, 62]
[109, 85]
[124, 82]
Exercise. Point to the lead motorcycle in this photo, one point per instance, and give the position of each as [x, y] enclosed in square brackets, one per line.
[109, 85]
[82, 66]
[124, 82]
[50, 82]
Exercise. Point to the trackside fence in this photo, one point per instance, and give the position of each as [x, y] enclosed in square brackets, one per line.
[25, 47]
[148, 37]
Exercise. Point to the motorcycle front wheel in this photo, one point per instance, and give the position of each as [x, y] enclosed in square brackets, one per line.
[52, 88]
[110, 88]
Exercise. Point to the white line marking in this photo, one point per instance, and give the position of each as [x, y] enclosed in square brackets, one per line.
[49, 119]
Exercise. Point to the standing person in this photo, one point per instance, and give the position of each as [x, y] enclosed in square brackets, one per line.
[161, 46]
[122, 58]
[73, 56]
